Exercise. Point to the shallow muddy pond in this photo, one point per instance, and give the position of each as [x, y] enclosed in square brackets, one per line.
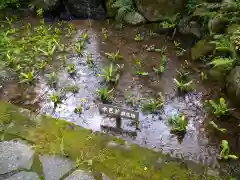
[199, 144]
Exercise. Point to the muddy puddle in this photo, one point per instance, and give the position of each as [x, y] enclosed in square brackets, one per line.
[199, 143]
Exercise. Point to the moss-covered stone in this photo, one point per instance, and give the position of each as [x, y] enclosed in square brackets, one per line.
[55, 136]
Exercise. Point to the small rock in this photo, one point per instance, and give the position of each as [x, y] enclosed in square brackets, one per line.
[134, 18]
[55, 167]
[24, 176]
[80, 175]
[15, 155]
[213, 172]
[201, 48]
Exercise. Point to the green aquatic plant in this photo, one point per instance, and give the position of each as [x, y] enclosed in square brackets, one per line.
[57, 31]
[152, 105]
[42, 65]
[166, 24]
[105, 33]
[219, 109]
[222, 43]
[138, 37]
[162, 66]
[28, 77]
[52, 79]
[105, 94]
[51, 48]
[179, 51]
[89, 60]
[178, 123]
[114, 56]
[85, 36]
[204, 76]
[71, 69]
[11, 60]
[225, 152]
[213, 124]
[40, 12]
[182, 85]
[110, 74]
[79, 48]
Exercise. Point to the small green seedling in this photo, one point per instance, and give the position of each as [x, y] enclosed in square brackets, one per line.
[179, 51]
[11, 59]
[152, 105]
[162, 66]
[105, 33]
[40, 12]
[89, 61]
[79, 49]
[219, 109]
[115, 56]
[85, 36]
[223, 130]
[138, 37]
[42, 65]
[139, 70]
[57, 31]
[178, 123]
[105, 94]
[52, 78]
[203, 76]
[224, 154]
[56, 99]
[71, 69]
[28, 77]
[79, 109]
[151, 33]
[183, 86]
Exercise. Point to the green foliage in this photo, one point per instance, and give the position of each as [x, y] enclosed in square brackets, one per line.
[152, 105]
[219, 109]
[192, 5]
[178, 123]
[105, 94]
[89, 60]
[114, 56]
[222, 63]
[225, 152]
[123, 7]
[138, 37]
[139, 70]
[183, 82]
[222, 42]
[56, 99]
[9, 3]
[52, 79]
[111, 74]
[79, 109]
[28, 77]
[71, 69]
[223, 130]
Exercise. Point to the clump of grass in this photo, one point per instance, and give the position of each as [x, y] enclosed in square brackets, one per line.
[219, 109]
[225, 152]
[178, 123]
[85, 36]
[114, 56]
[52, 79]
[162, 66]
[105, 94]
[152, 105]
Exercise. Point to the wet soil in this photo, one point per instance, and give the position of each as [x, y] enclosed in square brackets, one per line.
[200, 143]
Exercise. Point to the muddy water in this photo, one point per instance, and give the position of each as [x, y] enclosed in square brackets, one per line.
[198, 144]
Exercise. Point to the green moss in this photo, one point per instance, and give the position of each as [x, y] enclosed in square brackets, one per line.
[54, 136]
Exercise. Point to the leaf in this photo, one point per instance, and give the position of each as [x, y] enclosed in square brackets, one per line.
[232, 156]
